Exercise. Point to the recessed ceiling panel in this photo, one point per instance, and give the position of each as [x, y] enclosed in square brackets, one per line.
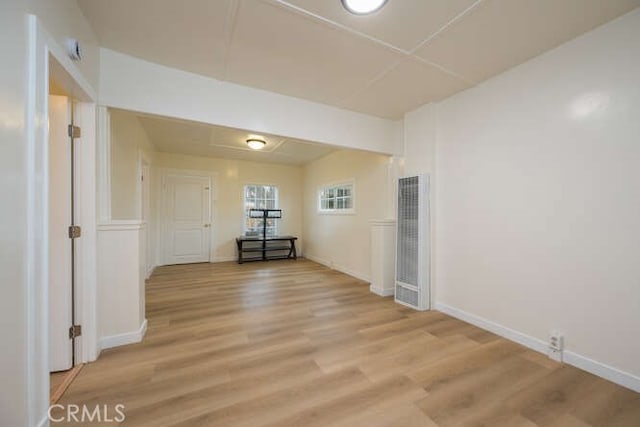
[401, 23]
[189, 35]
[198, 139]
[499, 34]
[409, 85]
[165, 132]
[315, 50]
[276, 49]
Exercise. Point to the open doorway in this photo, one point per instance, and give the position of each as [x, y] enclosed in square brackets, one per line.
[64, 330]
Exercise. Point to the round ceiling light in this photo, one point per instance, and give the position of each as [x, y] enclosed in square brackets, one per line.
[363, 7]
[256, 144]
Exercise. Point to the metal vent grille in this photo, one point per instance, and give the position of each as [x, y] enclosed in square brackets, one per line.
[408, 231]
[407, 296]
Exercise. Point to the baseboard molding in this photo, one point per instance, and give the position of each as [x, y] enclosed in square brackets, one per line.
[338, 267]
[607, 372]
[124, 339]
[318, 260]
[150, 271]
[503, 331]
[382, 292]
[224, 259]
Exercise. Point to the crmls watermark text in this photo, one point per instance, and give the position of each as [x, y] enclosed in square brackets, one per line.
[86, 414]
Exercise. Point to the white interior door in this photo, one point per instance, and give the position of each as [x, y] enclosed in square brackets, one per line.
[188, 215]
[60, 299]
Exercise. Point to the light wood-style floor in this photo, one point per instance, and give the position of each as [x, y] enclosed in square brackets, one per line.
[290, 343]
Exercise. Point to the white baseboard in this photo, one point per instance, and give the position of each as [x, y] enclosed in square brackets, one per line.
[338, 267]
[382, 292]
[612, 374]
[124, 339]
[503, 331]
[224, 259]
[607, 372]
[318, 260]
[150, 271]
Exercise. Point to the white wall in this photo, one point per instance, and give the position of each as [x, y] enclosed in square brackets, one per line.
[129, 142]
[537, 197]
[13, 327]
[133, 84]
[23, 291]
[121, 310]
[230, 176]
[343, 240]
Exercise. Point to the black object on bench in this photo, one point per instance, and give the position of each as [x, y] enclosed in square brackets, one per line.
[261, 246]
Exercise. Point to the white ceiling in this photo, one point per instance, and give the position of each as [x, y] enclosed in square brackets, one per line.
[198, 139]
[407, 54]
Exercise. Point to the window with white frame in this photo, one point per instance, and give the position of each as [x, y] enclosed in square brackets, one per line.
[258, 196]
[337, 198]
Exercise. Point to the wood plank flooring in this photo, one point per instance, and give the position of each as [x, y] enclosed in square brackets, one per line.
[290, 343]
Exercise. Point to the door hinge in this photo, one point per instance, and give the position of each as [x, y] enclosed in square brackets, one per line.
[75, 231]
[74, 131]
[75, 331]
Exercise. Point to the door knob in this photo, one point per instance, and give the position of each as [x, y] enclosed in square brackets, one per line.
[207, 225]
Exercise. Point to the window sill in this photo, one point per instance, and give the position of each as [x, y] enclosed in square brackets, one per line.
[337, 212]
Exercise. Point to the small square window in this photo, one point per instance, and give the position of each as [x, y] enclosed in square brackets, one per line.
[336, 198]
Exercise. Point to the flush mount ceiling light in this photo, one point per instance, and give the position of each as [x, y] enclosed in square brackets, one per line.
[256, 144]
[363, 7]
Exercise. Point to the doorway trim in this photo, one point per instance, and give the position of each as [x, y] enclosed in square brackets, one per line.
[42, 48]
[144, 196]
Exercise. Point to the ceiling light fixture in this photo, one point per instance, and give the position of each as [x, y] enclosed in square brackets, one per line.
[256, 144]
[363, 7]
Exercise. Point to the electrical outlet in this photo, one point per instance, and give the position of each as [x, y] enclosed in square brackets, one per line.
[556, 345]
[556, 340]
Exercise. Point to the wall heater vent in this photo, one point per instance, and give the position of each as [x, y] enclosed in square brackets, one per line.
[413, 245]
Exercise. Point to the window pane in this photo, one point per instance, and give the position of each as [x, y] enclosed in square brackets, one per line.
[340, 203]
[259, 197]
[348, 203]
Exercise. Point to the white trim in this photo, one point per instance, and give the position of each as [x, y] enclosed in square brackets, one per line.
[338, 267]
[607, 372]
[36, 267]
[503, 331]
[44, 422]
[383, 222]
[104, 163]
[224, 259]
[124, 339]
[121, 225]
[150, 271]
[40, 49]
[382, 292]
[610, 373]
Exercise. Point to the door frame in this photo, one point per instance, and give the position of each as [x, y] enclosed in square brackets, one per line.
[144, 196]
[162, 205]
[45, 58]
